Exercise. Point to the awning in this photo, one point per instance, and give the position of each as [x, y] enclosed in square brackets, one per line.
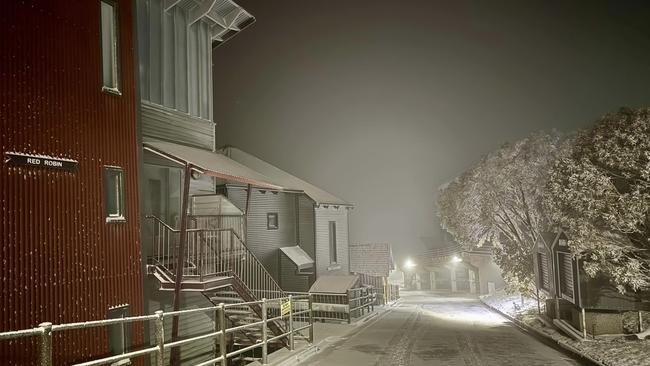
[334, 284]
[210, 163]
[299, 257]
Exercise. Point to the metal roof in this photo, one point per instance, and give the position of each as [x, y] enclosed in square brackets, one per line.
[334, 284]
[283, 178]
[299, 257]
[214, 204]
[210, 163]
[224, 17]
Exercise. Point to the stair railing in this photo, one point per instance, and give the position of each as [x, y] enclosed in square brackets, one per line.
[212, 252]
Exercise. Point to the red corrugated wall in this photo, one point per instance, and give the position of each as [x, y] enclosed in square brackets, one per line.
[59, 260]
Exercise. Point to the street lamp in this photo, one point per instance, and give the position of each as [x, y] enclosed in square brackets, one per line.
[456, 259]
[409, 264]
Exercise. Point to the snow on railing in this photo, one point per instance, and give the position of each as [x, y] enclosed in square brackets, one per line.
[210, 252]
[298, 309]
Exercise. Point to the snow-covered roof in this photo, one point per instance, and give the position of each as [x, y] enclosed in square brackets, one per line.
[298, 256]
[210, 163]
[214, 204]
[224, 17]
[286, 180]
[375, 259]
[334, 284]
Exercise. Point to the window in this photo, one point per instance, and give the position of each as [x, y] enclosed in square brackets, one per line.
[565, 269]
[118, 334]
[332, 232]
[542, 269]
[272, 221]
[110, 70]
[114, 194]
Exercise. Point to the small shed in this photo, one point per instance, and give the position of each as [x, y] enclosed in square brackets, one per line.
[588, 304]
[335, 284]
[373, 262]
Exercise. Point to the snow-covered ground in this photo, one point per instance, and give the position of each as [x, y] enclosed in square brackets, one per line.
[613, 352]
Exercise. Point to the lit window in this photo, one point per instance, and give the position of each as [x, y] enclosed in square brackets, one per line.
[110, 69]
[272, 221]
[332, 232]
[114, 194]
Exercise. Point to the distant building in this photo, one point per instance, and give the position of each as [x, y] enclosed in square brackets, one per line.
[575, 300]
[299, 233]
[374, 263]
[68, 176]
[454, 269]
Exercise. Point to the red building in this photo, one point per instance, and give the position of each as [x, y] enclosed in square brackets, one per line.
[68, 179]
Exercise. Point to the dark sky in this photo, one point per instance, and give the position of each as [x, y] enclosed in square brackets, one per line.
[380, 102]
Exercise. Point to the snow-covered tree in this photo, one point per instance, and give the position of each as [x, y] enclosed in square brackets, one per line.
[499, 200]
[600, 196]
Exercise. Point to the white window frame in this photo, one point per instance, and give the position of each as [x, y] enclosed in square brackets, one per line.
[114, 87]
[119, 215]
[331, 228]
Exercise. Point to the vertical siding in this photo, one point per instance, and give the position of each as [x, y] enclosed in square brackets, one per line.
[176, 59]
[323, 216]
[175, 75]
[60, 261]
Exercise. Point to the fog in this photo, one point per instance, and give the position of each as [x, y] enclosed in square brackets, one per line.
[381, 102]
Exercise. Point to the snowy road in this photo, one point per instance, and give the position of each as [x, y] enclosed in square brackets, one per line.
[435, 329]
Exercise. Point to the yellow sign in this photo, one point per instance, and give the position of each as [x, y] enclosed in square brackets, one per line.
[285, 308]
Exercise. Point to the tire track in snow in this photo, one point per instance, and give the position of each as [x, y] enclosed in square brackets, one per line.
[402, 343]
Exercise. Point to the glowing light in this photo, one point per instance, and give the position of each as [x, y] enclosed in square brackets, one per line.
[409, 264]
[455, 259]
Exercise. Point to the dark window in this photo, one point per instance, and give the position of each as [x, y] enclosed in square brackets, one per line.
[332, 234]
[109, 42]
[118, 334]
[272, 221]
[114, 194]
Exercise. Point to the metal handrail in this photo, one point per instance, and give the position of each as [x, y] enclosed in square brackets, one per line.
[45, 330]
[207, 250]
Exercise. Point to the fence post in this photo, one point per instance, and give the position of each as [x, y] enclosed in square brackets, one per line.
[290, 323]
[265, 349]
[349, 307]
[311, 319]
[160, 337]
[45, 346]
[216, 327]
[640, 322]
[222, 340]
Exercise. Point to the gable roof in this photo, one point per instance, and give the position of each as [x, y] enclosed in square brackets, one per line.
[282, 178]
[374, 259]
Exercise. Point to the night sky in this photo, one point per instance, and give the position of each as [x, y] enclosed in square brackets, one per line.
[381, 102]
